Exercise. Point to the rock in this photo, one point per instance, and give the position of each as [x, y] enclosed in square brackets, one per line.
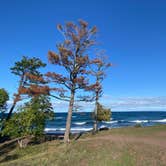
[103, 128]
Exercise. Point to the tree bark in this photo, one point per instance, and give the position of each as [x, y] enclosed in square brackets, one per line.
[11, 110]
[69, 116]
[95, 127]
[95, 121]
[15, 100]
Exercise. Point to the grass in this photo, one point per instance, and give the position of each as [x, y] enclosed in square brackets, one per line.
[117, 147]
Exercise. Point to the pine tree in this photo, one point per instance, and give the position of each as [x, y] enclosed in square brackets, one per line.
[30, 79]
[72, 56]
[98, 68]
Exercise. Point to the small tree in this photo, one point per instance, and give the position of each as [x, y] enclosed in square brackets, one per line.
[30, 120]
[4, 97]
[29, 79]
[98, 70]
[103, 114]
[73, 57]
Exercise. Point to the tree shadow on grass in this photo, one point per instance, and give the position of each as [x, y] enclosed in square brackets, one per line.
[9, 157]
[5, 149]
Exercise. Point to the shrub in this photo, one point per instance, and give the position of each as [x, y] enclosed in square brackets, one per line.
[4, 97]
[138, 125]
[103, 114]
[29, 121]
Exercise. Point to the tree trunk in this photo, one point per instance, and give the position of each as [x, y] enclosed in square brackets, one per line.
[95, 127]
[69, 116]
[23, 142]
[11, 110]
[15, 100]
[95, 121]
[9, 115]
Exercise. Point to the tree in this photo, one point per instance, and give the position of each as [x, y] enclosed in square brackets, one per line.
[4, 97]
[73, 56]
[98, 70]
[29, 79]
[30, 120]
[103, 114]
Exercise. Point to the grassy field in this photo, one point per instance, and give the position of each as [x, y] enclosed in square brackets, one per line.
[116, 147]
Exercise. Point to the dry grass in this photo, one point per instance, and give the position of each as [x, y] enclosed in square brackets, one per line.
[117, 147]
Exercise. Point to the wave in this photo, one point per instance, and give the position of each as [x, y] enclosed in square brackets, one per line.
[139, 121]
[50, 129]
[160, 120]
[79, 123]
[63, 129]
[110, 122]
[102, 126]
[59, 118]
[74, 116]
[81, 129]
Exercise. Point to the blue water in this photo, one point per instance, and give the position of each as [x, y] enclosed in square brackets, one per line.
[82, 121]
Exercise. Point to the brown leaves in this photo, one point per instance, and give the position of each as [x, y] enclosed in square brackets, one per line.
[97, 62]
[58, 90]
[59, 27]
[99, 65]
[72, 55]
[93, 87]
[70, 25]
[82, 33]
[75, 38]
[67, 42]
[34, 90]
[83, 23]
[94, 30]
[53, 57]
[83, 60]
[57, 78]
[37, 90]
[80, 80]
[109, 65]
[64, 51]
[35, 78]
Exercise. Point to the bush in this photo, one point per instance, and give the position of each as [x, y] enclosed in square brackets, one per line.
[138, 125]
[24, 123]
[4, 97]
[29, 121]
[103, 114]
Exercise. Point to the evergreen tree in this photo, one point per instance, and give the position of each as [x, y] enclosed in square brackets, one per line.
[98, 68]
[30, 79]
[72, 56]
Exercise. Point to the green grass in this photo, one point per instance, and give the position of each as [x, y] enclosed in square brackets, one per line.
[116, 147]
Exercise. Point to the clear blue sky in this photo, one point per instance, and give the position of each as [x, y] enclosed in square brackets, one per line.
[132, 32]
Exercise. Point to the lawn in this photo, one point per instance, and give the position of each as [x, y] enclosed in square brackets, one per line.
[117, 147]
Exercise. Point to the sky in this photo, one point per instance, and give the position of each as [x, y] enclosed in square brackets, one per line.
[132, 32]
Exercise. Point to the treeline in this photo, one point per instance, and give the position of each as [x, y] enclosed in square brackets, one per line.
[84, 68]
